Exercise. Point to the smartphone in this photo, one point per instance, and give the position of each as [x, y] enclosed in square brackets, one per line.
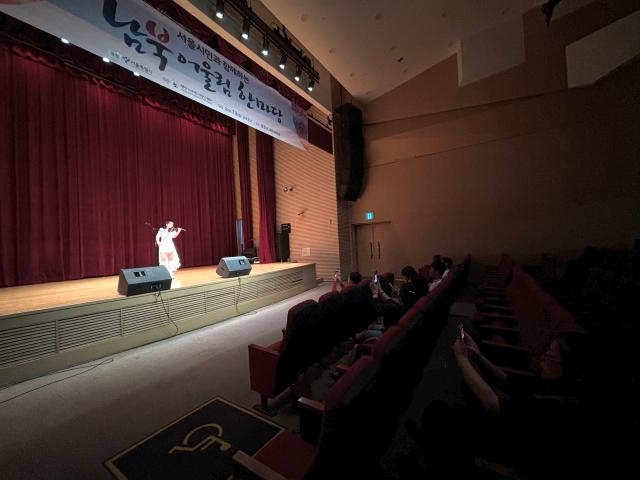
[375, 277]
[461, 331]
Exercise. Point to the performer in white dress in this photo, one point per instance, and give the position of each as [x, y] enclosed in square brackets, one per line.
[166, 248]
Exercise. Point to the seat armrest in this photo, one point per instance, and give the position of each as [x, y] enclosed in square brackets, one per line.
[340, 370]
[263, 363]
[263, 350]
[311, 416]
[243, 462]
[310, 405]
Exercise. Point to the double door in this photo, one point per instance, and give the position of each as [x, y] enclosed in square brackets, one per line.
[374, 248]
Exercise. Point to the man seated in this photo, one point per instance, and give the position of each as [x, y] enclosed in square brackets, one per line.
[436, 274]
[354, 279]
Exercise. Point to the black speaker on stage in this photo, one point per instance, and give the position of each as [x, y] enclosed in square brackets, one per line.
[134, 281]
[233, 267]
[282, 246]
[349, 151]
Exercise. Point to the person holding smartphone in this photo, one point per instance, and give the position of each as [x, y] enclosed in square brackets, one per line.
[505, 417]
[354, 279]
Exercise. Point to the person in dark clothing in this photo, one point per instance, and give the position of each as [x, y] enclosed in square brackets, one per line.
[408, 272]
[354, 279]
[505, 421]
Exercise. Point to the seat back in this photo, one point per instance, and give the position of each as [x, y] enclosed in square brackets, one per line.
[335, 328]
[358, 309]
[346, 439]
[291, 316]
[327, 296]
[300, 350]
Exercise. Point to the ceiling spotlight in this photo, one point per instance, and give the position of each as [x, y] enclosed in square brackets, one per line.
[136, 74]
[220, 8]
[246, 26]
[311, 84]
[283, 62]
[265, 46]
[64, 40]
[298, 75]
[106, 60]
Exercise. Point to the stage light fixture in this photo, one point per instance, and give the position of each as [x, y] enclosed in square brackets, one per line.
[243, 16]
[65, 41]
[246, 27]
[106, 60]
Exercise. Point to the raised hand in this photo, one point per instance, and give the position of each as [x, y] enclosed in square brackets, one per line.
[470, 344]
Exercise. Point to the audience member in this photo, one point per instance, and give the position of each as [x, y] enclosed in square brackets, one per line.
[419, 283]
[505, 416]
[436, 274]
[448, 264]
[408, 272]
[354, 279]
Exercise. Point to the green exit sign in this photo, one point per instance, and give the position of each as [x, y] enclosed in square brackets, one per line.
[369, 215]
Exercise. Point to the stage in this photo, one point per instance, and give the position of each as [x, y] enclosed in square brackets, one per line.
[50, 326]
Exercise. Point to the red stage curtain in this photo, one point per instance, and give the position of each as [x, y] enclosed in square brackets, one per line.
[244, 171]
[267, 197]
[84, 168]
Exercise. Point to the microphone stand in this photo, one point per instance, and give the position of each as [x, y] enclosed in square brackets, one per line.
[154, 231]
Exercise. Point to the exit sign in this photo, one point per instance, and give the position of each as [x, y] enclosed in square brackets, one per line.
[369, 215]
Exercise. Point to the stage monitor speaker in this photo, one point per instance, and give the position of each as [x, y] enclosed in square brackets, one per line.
[233, 267]
[134, 281]
[349, 151]
[282, 246]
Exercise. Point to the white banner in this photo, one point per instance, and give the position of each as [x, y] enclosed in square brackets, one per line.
[141, 39]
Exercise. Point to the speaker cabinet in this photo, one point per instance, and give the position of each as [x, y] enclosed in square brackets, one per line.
[134, 281]
[349, 151]
[282, 246]
[233, 267]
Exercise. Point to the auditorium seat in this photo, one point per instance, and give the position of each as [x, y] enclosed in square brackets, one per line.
[519, 340]
[344, 444]
[268, 376]
[327, 296]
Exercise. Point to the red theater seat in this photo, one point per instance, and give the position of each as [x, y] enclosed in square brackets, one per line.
[265, 362]
[344, 441]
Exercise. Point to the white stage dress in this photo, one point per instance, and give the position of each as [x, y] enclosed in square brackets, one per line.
[164, 239]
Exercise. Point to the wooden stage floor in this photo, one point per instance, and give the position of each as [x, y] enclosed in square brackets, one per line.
[42, 296]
